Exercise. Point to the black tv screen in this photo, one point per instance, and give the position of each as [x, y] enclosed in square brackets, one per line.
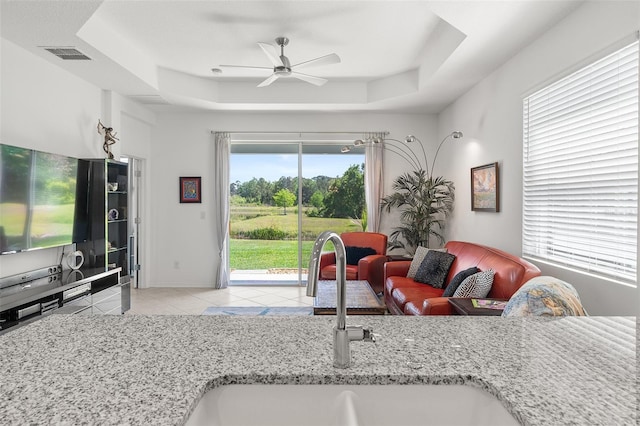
[37, 199]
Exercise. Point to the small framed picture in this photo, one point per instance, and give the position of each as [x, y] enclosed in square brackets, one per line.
[190, 189]
[485, 188]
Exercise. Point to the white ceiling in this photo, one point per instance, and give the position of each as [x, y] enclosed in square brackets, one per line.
[402, 56]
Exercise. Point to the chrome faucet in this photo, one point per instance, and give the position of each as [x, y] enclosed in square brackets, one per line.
[342, 334]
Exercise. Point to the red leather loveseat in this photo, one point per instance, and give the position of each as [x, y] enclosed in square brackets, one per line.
[404, 296]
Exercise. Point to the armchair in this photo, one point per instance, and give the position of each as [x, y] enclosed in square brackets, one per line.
[368, 267]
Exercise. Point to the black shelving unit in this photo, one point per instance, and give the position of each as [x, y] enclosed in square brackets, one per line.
[117, 231]
[101, 229]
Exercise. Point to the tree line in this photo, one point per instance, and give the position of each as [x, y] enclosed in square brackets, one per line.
[339, 197]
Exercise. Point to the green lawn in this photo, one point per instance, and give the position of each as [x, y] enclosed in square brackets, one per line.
[289, 223]
[263, 254]
[266, 254]
[242, 212]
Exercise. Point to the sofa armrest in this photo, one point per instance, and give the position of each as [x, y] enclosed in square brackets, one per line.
[371, 269]
[327, 259]
[366, 264]
[398, 268]
[437, 306]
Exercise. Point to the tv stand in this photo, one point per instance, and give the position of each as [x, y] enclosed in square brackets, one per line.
[100, 293]
[86, 291]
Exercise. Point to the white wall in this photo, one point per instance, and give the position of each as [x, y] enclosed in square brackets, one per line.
[490, 115]
[46, 108]
[137, 125]
[184, 250]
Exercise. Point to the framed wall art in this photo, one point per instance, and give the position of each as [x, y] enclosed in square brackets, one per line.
[485, 188]
[190, 189]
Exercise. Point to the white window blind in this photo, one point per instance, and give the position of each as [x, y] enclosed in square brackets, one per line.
[580, 194]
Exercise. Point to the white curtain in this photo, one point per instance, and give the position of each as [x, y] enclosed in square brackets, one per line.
[221, 206]
[373, 180]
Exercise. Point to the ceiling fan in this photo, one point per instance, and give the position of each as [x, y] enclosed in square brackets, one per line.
[283, 68]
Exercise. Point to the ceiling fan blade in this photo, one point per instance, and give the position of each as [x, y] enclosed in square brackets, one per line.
[309, 78]
[269, 80]
[271, 53]
[323, 60]
[246, 67]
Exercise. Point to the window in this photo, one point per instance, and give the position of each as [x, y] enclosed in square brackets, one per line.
[271, 235]
[580, 193]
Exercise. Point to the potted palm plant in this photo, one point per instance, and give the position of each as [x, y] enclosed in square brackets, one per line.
[425, 203]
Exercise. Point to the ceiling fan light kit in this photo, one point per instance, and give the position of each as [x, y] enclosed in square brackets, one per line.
[282, 66]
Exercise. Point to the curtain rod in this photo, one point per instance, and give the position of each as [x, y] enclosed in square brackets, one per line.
[385, 132]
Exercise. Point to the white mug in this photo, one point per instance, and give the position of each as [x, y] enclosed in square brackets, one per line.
[75, 259]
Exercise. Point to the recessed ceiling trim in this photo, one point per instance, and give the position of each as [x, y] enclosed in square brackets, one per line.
[260, 135]
[149, 99]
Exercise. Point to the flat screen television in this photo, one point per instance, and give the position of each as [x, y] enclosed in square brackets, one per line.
[37, 199]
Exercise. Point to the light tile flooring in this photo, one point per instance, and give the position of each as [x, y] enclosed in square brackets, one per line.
[193, 301]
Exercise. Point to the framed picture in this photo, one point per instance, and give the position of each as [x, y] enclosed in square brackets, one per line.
[485, 188]
[190, 189]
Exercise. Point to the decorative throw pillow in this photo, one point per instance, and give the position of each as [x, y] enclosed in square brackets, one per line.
[418, 258]
[476, 285]
[434, 268]
[544, 296]
[354, 254]
[457, 280]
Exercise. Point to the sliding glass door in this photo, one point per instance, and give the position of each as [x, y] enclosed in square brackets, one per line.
[282, 196]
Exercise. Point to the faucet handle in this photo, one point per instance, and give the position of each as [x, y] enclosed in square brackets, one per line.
[369, 335]
[357, 332]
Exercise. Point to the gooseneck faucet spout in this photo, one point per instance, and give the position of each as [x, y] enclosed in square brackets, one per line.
[342, 334]
[341, 273]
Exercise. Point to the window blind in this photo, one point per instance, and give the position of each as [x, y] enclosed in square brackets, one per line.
[580, 183]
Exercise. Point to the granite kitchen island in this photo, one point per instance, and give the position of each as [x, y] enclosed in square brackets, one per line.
[71, 369]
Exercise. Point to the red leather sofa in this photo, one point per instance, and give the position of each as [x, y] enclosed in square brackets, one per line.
[404, 296]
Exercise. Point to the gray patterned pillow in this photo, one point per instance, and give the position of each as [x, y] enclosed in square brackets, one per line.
[418, 258]
[457, 280]
[435, 268]
[477, 285]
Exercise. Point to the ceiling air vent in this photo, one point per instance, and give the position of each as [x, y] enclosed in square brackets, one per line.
[68, 53]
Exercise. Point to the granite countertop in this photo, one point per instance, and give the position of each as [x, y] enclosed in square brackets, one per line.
[153, 369]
